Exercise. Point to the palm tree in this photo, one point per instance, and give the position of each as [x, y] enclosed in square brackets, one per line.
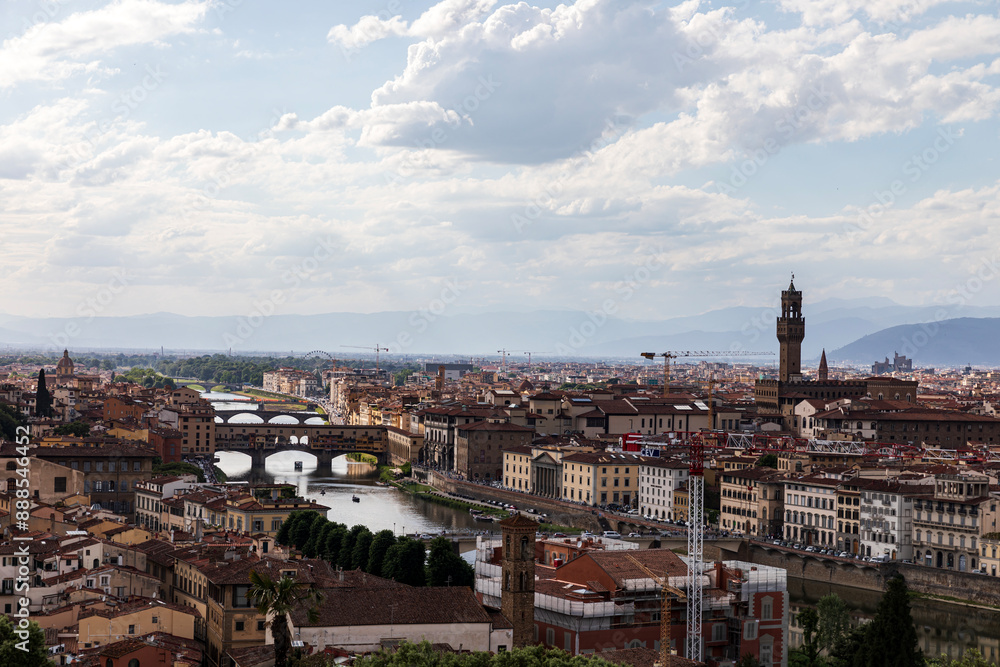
[275, 598]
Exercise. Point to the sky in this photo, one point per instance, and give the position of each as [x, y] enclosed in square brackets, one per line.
[227, 157]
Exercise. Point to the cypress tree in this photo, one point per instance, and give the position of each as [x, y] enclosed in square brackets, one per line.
[891, 638]
[43, 399]
[376, 553]
[362, 547]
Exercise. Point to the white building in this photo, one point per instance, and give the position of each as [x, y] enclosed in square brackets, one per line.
[658, 478]
[811, 510]
[886, 519]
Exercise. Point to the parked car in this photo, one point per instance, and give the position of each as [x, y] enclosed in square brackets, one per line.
[612, 534]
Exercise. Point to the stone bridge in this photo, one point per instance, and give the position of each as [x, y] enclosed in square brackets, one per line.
[268, 417]
[324, 455]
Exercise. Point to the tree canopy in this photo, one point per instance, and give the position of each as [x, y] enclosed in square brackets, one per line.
[12, 656]
[424, 655]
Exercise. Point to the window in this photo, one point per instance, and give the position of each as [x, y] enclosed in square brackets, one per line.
[719, 632]
[239, 626]
[134, 662]
[767, 609]
[240, 598]
[60, 485]
[260, 625]
[131, 629]
[550, 636]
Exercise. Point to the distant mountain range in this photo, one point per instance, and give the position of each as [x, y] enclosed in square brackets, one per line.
[860, 331]
[954, 342]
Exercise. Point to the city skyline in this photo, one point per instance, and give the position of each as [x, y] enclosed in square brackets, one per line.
[675, 158]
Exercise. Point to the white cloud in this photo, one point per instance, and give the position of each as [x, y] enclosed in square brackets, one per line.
[52, 51]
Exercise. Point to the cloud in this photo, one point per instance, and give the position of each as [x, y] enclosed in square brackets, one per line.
[53, 51]
[529, 85]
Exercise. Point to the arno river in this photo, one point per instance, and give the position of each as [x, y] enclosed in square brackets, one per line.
[941, 628]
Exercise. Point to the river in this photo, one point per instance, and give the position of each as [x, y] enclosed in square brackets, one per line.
[942, 628]
[380, 507]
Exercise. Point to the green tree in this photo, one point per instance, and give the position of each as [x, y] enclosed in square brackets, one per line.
[12, 655]
[748, 660]
[303, 529]
[424, 655]
[275, 598]
[313, 547]
[43, 399]
[333, 543]
[971, 658]
[76, 429]
[834, 621]
[848, 650]
[807, 654]
[767, 461]
[404, 562]
[284, 533]
[362, 549]
[376, 552]
[10, 419]
[447, 568]
[891, 638]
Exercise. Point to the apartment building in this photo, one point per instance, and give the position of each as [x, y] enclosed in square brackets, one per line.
[811, 510]
[658, 479]
[479, 447]
[886, 519]
[950, 521]
[601, 478]
[743, 496]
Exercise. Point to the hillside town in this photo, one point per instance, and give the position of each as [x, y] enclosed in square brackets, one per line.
[123, 544]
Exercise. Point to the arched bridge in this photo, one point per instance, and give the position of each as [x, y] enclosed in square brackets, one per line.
[325, 442]
[268, 417]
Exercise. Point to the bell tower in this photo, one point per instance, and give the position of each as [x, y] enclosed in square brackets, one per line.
[517, 593]
[791, 330]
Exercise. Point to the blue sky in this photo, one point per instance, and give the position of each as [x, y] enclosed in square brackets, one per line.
[364, 155]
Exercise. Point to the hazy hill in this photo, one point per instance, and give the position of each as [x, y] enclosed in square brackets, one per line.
[954, 342]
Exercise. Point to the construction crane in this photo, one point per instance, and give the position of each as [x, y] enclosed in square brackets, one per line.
[377, 350]
[666, 610]
[667, 356]
[503, 362]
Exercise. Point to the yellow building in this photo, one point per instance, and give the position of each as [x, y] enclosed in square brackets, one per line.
[601, 478]
[517, 468]
[135, 619]
[989, 550]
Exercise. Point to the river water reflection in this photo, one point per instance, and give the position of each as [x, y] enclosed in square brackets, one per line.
[942, 628]
[380, 507]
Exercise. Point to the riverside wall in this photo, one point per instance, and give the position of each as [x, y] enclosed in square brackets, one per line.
[975, 588]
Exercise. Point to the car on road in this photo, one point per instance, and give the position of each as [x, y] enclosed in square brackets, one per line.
[635, 534]
[614, 534]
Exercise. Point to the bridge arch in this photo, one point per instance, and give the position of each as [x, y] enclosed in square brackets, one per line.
[245, 418]
[283, 419]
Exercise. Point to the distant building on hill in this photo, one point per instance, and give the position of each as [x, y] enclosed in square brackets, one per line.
[900, 364]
